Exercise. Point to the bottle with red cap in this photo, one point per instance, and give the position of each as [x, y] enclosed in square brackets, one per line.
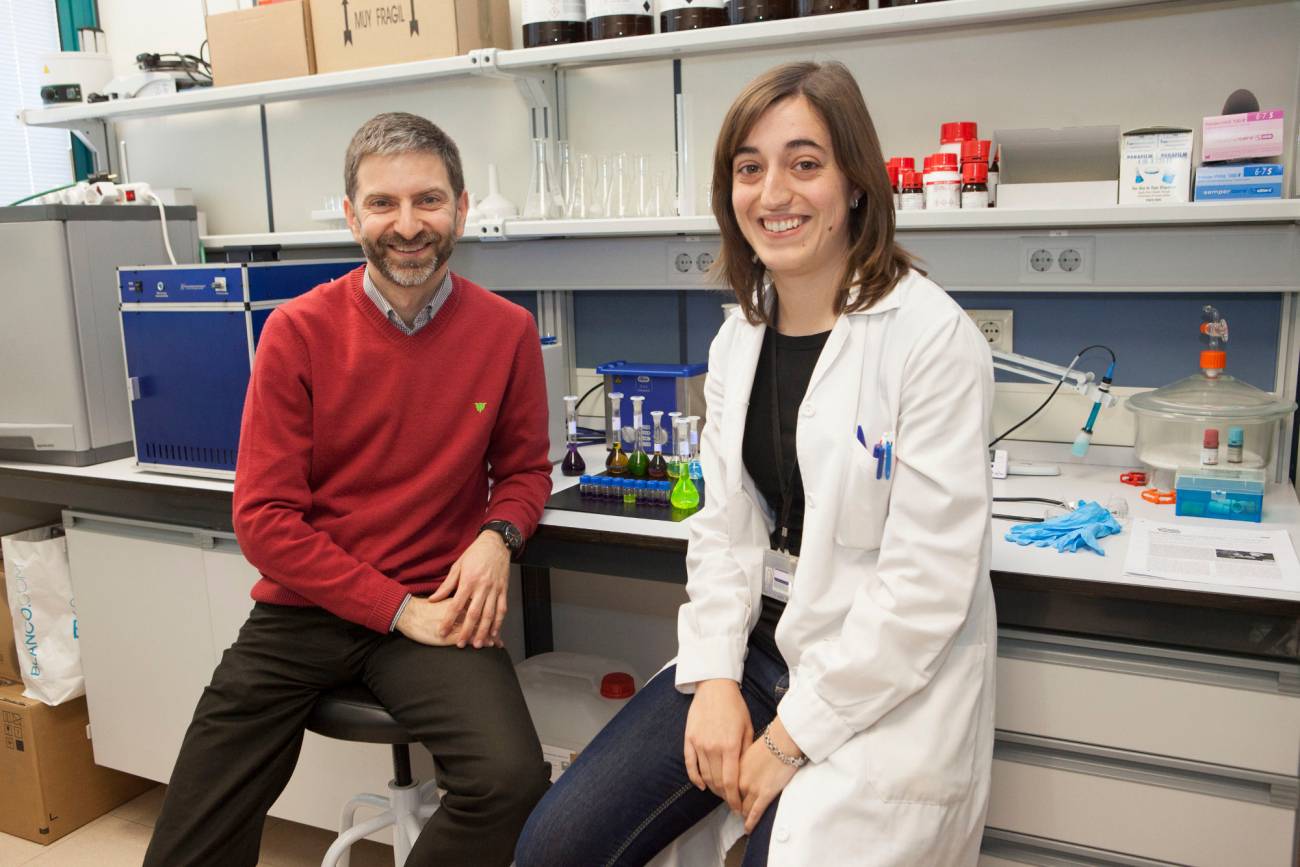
[975, 151]
[974, 185]
[911, 195]
[952, 135]
[942, 182]
[995, 176]
[893, 169]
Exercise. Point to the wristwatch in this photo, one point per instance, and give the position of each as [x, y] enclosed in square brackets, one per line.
[509, 532]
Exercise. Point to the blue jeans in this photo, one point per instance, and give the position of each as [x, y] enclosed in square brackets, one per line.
[627, 796]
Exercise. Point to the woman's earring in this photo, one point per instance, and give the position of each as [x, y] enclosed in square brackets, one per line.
[856, 200]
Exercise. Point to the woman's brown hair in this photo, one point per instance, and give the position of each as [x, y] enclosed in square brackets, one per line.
[875, 262]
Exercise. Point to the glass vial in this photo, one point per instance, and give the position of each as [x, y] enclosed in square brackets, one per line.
[675, 15]
[1236, 439]
[1210, 447]
[553, 22]
[749, 11]
[611, 19]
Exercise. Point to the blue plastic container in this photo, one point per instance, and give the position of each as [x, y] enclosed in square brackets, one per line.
[1208, 492]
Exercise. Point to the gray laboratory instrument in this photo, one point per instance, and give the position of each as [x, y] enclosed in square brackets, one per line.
[63, 397]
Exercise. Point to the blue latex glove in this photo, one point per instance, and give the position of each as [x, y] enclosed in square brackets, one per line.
[1082, 528]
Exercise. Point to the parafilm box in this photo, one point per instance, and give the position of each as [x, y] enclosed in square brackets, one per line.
[1242, 136]
[1155, 165]
[1254, 181]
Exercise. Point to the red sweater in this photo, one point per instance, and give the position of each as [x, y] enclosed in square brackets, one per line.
[365, 453]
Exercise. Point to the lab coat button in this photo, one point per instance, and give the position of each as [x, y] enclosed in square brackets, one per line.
[781, 834]
[809, 409]
[809, 502]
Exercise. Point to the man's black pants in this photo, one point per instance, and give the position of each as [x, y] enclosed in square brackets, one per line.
[464, 706]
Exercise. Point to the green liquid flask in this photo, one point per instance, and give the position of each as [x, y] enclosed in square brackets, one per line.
[685, 495]
[637, 462]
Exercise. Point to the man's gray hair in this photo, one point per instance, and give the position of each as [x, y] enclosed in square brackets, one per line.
[397, 132]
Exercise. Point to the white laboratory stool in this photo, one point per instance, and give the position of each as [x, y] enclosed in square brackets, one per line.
[352, 713]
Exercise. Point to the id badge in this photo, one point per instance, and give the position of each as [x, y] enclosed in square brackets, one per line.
[778, 574]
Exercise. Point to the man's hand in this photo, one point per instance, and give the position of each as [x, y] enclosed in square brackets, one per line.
[718, 730]
[763, 776]
[422, 621]
[476, 588]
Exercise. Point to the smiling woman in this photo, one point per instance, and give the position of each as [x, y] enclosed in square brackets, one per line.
[808, 125]
[832, 692]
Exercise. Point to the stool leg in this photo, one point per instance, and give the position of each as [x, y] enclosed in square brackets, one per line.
[349, 818]
[339, 851]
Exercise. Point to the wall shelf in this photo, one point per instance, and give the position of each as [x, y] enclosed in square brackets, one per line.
[789, 33]
[1115, 216]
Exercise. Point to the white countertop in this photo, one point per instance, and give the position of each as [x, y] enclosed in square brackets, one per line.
[1077, 481]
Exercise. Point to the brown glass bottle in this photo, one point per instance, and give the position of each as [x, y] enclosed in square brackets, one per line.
[749, 11]
[544, 25]
[680, 15]
[615, 26]
[826, 7]
[886, 3]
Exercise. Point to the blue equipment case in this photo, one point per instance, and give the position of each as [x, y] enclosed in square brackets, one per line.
[189, 333]
[665, 387]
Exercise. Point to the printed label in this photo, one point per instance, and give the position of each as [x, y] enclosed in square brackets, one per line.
[601, 8]
[974, 200]
[558, 758]
[540, 11]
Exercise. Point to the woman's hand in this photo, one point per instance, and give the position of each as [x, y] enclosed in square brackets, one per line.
[763, 776]
[718, 730]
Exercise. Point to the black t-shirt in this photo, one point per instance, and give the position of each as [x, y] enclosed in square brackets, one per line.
[795, 359]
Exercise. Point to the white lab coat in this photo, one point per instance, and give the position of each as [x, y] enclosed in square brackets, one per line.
[890, 629]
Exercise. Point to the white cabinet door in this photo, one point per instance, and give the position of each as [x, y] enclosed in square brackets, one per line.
[229, 579]
[146, 643]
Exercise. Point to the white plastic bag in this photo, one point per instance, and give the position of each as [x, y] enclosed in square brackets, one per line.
[45, 616]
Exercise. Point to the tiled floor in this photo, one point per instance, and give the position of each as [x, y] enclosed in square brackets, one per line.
[120, 838]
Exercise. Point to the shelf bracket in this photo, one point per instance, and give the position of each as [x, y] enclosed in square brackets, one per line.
[93, 133]
[538, 91]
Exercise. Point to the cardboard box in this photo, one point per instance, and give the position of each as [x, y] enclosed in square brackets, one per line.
[1242, 136]
[8, 644]
[1063, 194]
[49, 778]
[1254, 181]
[260, 44]
[365, 33]
[1155, 166]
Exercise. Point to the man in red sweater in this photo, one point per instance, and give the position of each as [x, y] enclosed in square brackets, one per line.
[393, 456]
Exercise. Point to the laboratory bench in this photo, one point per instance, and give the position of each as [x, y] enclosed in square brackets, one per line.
[1140, 721]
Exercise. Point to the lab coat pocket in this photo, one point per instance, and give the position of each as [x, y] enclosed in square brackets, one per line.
[864, 503]
[923, 751]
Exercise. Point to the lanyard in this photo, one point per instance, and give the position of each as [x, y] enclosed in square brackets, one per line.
[785, 477]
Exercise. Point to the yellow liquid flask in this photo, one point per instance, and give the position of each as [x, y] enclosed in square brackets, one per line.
[616, 462]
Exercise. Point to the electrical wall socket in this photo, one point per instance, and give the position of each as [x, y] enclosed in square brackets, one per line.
[689, 261]
[995, 325]
[1057, 260]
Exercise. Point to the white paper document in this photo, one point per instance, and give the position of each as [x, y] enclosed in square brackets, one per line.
[1241, 557]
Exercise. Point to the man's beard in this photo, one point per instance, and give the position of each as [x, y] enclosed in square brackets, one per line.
[408, 274]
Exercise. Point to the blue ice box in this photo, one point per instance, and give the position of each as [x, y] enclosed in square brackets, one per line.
[189, 332]
[666, 387]
[1209, 492]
